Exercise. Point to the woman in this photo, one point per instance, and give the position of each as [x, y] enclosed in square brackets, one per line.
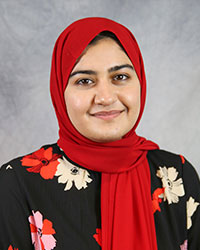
[100, 185]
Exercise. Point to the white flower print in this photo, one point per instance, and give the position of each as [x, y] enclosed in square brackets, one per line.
[9, 167]
[173, 188]
[61, 149]
[191, 208]
[69, 173]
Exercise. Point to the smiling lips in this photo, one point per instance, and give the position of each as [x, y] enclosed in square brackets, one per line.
[107, 115]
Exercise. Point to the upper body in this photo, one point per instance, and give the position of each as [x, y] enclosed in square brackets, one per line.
[47, 186]
[120, 190]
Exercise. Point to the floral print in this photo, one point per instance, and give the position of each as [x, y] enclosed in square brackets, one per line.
[41, 232]
[11, 248]
[9, 167]
[182, 159]
[184, 246]
[157, 198]
[49, 165]
[38, 176]
[98, 236]
[173, 187]
[191, 208]
[42, 161]
[69, 174]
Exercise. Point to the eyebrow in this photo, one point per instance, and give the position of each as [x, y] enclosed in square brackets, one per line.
[92, 72]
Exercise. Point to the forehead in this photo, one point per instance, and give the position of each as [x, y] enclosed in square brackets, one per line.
[104, 52]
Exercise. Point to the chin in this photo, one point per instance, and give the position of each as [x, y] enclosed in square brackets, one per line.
[106, 138]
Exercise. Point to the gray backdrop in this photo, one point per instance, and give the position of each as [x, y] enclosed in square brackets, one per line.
[169, 37]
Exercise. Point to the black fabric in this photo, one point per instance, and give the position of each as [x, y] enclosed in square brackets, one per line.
[75, 213]
[171, 221]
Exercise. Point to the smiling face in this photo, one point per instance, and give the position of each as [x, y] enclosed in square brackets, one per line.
[103, 93]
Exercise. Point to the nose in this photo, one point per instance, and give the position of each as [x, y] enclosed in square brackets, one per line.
[105, 94]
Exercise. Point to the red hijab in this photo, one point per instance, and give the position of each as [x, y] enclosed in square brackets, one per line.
[126, 209]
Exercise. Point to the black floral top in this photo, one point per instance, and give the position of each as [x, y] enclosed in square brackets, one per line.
[49, 202]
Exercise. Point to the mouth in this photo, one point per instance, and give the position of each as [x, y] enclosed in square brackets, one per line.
[107, 115]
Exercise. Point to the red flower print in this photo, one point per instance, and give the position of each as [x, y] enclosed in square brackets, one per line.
[11, 248]
[157, 196]
[41, 232]
[182, 159]
[98, 236]
[42, 161]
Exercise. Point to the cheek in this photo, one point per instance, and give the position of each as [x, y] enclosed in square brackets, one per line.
[76, 104]
[132, 99]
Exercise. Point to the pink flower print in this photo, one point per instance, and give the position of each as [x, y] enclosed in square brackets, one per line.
[41, 232]
[184, 246]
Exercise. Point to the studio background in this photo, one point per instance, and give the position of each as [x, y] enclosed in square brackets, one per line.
[169, 37]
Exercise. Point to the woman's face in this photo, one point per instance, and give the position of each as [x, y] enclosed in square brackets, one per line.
[103, 93]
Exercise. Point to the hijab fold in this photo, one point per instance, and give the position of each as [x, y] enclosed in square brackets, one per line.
[126, 209]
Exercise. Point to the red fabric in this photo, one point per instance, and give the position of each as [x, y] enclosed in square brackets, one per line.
[126, 207]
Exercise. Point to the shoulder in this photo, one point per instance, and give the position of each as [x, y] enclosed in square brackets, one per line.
[174, 168]
[38, 153]
[160, 156]
[14, 172]
[160, 159]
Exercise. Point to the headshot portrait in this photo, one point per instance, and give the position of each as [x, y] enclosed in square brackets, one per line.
[100, 127]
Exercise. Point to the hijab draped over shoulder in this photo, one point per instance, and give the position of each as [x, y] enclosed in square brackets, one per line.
[127, 220]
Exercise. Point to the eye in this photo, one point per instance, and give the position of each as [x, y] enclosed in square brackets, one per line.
[121, 77]
[84, 81]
